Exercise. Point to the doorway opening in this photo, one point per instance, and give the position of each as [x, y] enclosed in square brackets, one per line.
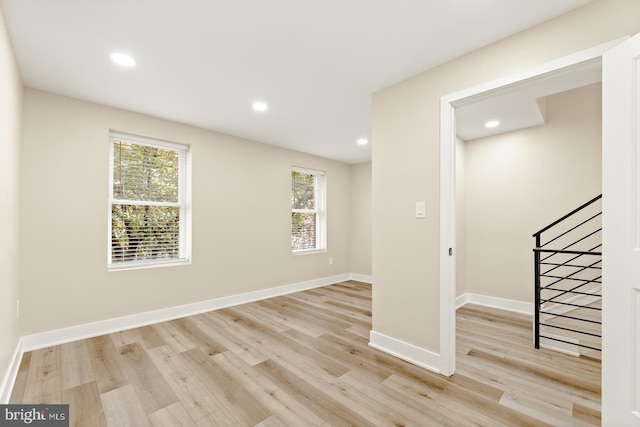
[581, 69]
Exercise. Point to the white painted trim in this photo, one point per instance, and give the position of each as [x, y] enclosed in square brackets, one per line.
[462, 300]
[74, 333]
[320, 209]
[571, 348]
[362, 278]
[528, 308]
[447, 241]
[405, 351]
[495, 302]
[447, 181]
[483, 89]
[183, 203]
[12, 372]
[79, 332]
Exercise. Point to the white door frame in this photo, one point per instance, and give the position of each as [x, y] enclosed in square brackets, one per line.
[621, 223]
[448, 180]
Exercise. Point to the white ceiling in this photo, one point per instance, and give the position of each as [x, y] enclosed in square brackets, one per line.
[203, 62]
[522, 105]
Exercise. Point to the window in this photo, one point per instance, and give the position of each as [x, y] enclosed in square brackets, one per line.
[148, 215]
[308, 219]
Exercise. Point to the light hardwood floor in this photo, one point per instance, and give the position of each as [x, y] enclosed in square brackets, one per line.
[303, 360]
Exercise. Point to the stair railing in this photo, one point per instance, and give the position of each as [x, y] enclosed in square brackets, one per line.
[569, 271]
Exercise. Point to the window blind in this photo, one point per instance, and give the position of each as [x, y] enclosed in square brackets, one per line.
[147, 203]
[307, 210]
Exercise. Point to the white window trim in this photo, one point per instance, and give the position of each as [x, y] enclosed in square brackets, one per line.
[184, 195]
[320, 201]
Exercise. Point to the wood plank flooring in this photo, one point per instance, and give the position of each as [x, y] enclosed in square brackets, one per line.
[304, 360]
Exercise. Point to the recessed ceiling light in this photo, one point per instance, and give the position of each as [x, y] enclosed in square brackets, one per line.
[492, 124]
[362, 141]
[123, 59]
[260, 106]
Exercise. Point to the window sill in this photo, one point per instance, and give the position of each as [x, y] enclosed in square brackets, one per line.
[309, 251]
[148, 264]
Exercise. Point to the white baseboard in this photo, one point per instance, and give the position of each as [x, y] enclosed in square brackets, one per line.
[527, 308]
[495, 302]
[10, 377]
[74, 333]
[405, 351]
[571, 348]
[427, 359]
[89, 330]
[362, 278]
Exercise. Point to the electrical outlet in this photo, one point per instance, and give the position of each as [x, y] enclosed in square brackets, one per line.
[17, 308]
[330, 260]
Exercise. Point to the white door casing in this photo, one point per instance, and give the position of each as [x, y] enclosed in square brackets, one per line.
[448, 104]
[621, 235]
[621, 222]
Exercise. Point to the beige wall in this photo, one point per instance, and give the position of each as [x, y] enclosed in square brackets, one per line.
[241, 225]
[361, 218]
[518, 182]
[10, 109]
[406, 159]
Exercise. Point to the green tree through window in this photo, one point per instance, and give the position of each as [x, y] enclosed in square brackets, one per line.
[307, 213]
[147, 203]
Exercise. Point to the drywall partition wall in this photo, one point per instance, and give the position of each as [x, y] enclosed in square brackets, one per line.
[406, 120]
[361, 219]
[10, 114]
[518, 182]
[241, 217]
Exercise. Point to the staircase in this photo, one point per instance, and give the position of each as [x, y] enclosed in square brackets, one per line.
[568, 282]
